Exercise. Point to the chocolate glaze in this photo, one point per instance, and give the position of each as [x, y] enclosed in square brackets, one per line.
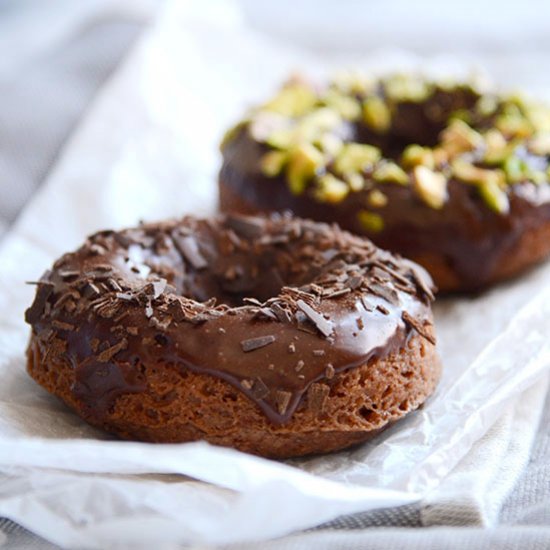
[465, 232]
[298, 301]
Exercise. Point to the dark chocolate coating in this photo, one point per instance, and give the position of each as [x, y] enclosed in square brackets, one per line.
[471, 239]
[320, 301]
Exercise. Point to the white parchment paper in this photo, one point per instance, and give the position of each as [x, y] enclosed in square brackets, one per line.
[147, 150]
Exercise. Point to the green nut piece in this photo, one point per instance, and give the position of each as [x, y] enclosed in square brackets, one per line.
[538, 177]
[304, 162]
[293, 100]
[347, 107]
[458, 137]
[407, 88]
[389, 172]
[331, 189]
[494, 196]
[273, 162]
[370, 221]
[376, 114]
[496, 147]
[356, 181]
[469, 173]
[329, 144]
[416, 155]
[377, 199]
[514, 168]
[431, 186]
[487, 105]
[514, 125]
[540, 144]
[356, 157]
[354, 82]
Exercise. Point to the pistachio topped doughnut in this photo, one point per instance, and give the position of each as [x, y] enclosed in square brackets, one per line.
[276, 336]
[455, 179]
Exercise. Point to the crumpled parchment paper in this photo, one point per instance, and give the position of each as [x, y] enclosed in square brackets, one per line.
[147, 150]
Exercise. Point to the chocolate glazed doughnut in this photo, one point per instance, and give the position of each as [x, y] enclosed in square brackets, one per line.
[446, 175]
[277, 336]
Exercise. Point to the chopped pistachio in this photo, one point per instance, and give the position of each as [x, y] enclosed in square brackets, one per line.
[389, 172]
[537, 176]
[272, 163]
[377, 199]
[540, 144]
[354, 82]
[348, 107]
[331, 189]
[494, 196]
[469, 173]
[458, 137]
[356, 157]
[496, 147]
[514, 168]
[440, 156]
[487, 105]
[513, 125]
[304, 161]
[376, 114]
[539, 116]
[329, 143]
[282, 139]
[431, 186]
[356, 181]
[265, 123]
[416, 155]
[407, 88]
[463, 115]
[293, 100]
[370, 221]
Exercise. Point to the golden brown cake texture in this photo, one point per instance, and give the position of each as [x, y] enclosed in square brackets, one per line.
[274, 335]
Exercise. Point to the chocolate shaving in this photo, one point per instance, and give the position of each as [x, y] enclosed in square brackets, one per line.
[107, 354]
[35, 312]
[158, 287]
[318, 352]
[255, 343]
[367, 305]
[282, 400]
[281, 313]
[338, 293]
[418, 326]
[189, 247]
[324, 326]
[246, 384]
[61, 325]
[329, 371]
[385, 292]
[247, 227]
[317, 396]
[354, 282]
[299, 366]
[259, 389]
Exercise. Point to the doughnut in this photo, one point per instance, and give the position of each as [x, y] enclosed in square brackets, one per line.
[273, 335]
[443, 173]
